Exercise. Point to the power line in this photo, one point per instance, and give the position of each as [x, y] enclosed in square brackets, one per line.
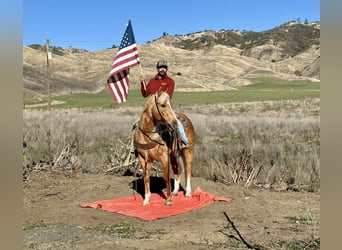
[75, 41]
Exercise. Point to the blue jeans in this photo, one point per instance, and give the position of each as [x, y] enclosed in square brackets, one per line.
[181, 132]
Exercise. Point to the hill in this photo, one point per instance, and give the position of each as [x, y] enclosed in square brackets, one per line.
[201, 61]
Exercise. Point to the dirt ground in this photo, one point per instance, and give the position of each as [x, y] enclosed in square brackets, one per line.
[266, 219]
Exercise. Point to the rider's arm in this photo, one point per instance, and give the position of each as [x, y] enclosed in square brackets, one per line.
[170, 87]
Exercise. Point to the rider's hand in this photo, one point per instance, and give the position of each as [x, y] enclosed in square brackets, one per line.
[142, 78]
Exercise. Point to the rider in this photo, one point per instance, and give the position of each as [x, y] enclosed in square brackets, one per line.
[161, 81]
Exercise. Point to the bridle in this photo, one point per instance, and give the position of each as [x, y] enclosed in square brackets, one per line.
[153, 142]
[157, 106]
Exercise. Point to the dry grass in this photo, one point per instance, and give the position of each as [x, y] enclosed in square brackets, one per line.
[274, 151]
[271, 144]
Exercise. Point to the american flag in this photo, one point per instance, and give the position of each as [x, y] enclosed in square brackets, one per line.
[127, 56]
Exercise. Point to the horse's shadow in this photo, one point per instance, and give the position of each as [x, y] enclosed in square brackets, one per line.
[157, 185]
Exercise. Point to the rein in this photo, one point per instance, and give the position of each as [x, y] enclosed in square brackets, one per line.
[156, 103]
[147, 146]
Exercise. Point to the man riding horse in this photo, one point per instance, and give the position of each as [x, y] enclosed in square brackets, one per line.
[162, 82]
[155, 139]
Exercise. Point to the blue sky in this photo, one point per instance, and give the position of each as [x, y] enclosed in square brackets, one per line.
[97, 25]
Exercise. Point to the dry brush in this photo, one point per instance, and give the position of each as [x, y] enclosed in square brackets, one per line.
[268, 144]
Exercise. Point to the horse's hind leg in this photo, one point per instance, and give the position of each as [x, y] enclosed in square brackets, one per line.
[188, 154]
[188, 168]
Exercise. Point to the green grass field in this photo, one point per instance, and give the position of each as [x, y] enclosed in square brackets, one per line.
[263, 89]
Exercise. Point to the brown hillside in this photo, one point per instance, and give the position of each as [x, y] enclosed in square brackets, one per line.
[197, 61]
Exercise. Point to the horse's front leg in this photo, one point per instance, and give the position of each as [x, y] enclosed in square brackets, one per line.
[176, 174]
[166, 175]
[146, 166]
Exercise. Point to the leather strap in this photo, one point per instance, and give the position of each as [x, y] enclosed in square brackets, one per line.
[146, 146]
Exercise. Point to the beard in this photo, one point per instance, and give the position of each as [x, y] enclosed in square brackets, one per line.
[162, 72]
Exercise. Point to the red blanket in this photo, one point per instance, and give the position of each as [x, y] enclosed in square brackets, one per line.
[132, 206]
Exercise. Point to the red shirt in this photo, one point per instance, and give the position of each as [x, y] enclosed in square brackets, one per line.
[157, 83]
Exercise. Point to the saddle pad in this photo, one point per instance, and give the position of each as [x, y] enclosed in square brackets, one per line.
[132, 206]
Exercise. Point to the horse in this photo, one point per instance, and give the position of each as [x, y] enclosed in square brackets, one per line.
[155, 139]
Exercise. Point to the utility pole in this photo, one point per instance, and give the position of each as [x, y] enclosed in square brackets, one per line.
[48, 57]
[48, 72]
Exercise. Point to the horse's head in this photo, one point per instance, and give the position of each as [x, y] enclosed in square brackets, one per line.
[162, 110]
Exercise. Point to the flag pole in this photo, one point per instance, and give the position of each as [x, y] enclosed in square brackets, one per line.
[141, 73]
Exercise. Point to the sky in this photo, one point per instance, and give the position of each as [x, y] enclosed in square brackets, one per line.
[100, 24]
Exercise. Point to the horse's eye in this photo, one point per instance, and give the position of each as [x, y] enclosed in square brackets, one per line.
[162, 105]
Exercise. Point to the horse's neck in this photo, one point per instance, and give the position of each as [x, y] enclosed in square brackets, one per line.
[146, 121]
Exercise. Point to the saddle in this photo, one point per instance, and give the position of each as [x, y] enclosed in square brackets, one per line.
[168, 134]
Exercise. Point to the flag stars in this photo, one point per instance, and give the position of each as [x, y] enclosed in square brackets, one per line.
[125, 42]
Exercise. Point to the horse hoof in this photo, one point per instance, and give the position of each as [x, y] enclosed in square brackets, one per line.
[145, 203]
[168, 203]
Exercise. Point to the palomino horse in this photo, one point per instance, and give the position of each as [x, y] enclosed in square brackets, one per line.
[155, 139]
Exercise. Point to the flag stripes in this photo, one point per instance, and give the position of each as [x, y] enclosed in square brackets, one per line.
[127, 58]
[118, 85]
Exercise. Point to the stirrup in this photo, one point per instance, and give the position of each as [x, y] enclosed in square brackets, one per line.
[183, 145]
[135, 125]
